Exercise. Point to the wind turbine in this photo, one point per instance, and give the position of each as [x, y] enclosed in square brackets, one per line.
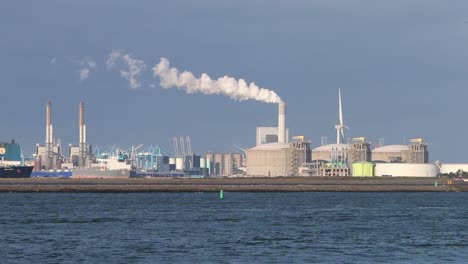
[340, 127]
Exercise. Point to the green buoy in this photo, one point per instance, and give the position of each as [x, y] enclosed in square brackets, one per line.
[221, 194]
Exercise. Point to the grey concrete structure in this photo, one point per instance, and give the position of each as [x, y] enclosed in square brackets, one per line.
[359, 152]
[277, 159]
[48, 156]
[267, 135]
[224, 164]
[415, 152]
[330, 151]
[274, 159]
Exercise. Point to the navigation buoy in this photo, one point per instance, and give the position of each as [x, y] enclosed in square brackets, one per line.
[221, 194]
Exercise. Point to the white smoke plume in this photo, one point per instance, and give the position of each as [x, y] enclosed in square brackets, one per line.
[84, 74]
[113, 57]
[87, 65]
[186, 81]
[135, 67]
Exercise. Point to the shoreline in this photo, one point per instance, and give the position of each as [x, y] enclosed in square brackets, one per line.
[240, 184]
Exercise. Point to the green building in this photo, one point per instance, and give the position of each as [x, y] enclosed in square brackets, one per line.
[363, 169]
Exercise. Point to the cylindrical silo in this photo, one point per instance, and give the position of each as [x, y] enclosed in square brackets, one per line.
[179, 162]
[202, 163]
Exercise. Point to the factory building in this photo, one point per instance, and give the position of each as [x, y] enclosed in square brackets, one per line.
[336, 159]
[330, 152]
[390, 154]
[302, 152]
[273, 159]
[224, 164]
[415, 152]
[193, 165]
[359, 150]
[363, 169]
[354, 158]
[162, 163]
[228, 163]
[353, 152]
[48, 157]
[80, 156]
[277, 158]
[267, 135]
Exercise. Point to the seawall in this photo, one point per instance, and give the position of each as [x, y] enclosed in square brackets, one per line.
[241, 184]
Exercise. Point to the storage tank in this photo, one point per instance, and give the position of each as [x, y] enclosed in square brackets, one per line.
[179, 164]
[406, 169]
[172, 161]
[363, 169]
[202, 163]
[390, 153]
[208, 165]
[453, 168]
[330, 152]
[272, 159]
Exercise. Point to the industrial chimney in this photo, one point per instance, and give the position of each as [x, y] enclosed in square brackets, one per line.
[282, 122]
[49, 138]
[49, 133]
[83, 150]
[82, 125]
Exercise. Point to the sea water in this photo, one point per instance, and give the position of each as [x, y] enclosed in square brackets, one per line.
[241, 228]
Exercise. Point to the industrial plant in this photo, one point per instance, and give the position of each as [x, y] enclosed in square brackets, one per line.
[275, 154]
[48, 156]
[84, 161]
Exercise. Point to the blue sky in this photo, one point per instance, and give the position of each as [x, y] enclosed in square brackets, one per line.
[401, 66]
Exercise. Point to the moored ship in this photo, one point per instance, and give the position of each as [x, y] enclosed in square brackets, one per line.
[12, 171]
[112, 165]
[12, 161]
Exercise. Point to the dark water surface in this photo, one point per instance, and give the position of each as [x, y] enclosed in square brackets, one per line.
[242, 228]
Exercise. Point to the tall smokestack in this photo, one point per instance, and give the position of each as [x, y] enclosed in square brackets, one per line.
[81, 123]
[48, 139]
[48, 159]
[81, 113]
[83, 152]
[282, 122]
